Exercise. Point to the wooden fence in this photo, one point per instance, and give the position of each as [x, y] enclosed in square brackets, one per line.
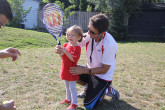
[79, 18]
[40, 23]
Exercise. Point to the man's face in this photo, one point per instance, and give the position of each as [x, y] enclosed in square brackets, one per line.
[93, 32]
[3, 20]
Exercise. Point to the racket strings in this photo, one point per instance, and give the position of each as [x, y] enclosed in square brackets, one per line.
[53, 19]
[56, 29]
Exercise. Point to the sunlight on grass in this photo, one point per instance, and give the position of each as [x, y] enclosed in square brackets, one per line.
[33, 82]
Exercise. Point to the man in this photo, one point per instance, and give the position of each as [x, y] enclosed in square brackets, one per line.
[6, 16]
[101, 51]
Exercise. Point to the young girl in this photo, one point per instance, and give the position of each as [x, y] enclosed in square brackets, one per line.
[70, 54]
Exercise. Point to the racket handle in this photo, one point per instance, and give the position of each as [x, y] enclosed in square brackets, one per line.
[59, 43]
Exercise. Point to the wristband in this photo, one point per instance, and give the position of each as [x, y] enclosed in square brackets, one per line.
[90, 71]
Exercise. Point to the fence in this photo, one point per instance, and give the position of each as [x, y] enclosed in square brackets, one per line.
[79, 18]
[40, 23]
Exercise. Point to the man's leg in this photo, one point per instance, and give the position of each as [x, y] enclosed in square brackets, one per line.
[83, 93]
[111, 92]
[95, 92]
[84, 82]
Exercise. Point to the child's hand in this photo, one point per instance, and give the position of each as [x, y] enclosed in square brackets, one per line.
[59, 49]
[9, 105]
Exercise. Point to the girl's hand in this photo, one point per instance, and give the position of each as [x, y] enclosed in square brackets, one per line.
[59, 49]
[9, 105]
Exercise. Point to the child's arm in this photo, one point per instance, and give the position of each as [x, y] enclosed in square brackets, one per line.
[62, 50]
[61, 55]
[68, 54]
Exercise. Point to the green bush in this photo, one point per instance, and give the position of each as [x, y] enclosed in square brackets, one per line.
[18, 12]
[117, 11]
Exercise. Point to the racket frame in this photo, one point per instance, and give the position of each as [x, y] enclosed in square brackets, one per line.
[47, 27]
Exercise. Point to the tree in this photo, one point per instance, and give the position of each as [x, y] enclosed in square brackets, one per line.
[83, 5]
[66, 5]
[66, 10]
[153, 1]
[117, 10]
[80, 5]
[18, 12]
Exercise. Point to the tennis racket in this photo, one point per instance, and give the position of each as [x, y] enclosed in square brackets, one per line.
[53, 19]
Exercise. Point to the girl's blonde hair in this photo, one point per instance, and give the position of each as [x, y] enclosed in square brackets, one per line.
[77, 30]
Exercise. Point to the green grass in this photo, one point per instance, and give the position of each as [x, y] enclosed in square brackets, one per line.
[33, 82]
[20, 38]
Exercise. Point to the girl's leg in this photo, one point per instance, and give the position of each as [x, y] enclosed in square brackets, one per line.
[68, 94]
[73, 91]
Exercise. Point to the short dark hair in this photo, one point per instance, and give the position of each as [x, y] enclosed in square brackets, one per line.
[100, 22]
[5, 9]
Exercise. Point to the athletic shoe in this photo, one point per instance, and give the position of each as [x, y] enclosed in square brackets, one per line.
[113, 93]
[72, 107]
[65, 102]
[82, 94]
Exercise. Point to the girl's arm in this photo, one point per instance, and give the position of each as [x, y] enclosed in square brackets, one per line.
[61, 56]
[68, 54]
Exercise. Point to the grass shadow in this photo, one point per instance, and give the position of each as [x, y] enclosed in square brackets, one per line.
[79, 108]
[114, 105]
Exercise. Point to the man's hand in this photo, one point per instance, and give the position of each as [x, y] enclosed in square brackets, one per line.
[79, 70]
[83, 70]
[10, 52]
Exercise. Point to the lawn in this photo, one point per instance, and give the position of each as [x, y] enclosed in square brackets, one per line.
[33, 82]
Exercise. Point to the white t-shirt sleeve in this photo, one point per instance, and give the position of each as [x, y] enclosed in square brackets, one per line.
[110, 49]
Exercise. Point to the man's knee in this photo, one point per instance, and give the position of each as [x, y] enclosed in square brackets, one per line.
[81, 82]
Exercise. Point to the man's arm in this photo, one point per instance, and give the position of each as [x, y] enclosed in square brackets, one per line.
[98, 70]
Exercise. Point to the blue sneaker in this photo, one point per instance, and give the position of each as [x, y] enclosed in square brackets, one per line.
[113, 93]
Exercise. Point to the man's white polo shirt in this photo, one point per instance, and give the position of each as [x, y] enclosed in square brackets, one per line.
[104, 52]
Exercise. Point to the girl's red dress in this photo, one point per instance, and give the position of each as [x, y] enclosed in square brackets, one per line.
[75, 51]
